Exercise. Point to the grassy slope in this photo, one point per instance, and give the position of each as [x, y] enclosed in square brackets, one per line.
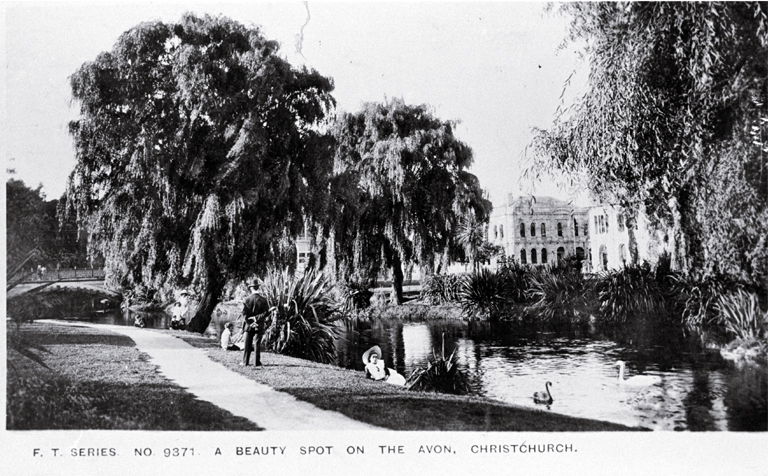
[99, 380]
[377, 403]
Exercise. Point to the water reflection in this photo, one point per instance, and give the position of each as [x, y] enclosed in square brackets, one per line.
[696, 389]
[119, 317]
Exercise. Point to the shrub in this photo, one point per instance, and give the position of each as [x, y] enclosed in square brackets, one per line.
[515, 278]
[698, 297]
[302, 312]
[558, 292]
[632, 292]
[482, 294]
[441, 289]
[441, 375]
[354, 293]
[741, 315]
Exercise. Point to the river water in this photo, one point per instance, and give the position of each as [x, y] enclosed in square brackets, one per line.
[696, 389]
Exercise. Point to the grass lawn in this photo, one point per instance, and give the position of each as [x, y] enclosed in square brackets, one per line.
[381, 404]
[97, 379]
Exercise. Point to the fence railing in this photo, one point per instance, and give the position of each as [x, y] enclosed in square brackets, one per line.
[61, 274]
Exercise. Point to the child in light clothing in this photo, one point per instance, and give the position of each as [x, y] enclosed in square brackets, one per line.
[227, 343]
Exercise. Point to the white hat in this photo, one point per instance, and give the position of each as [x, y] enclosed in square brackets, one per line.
[373, 350]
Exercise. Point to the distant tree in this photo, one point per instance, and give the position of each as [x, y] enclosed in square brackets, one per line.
[198, 151]
[401, 188]
[471, 236]
[26, 223]
[674, 121]
[67, 244]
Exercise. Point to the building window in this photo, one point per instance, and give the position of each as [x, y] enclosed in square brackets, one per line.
[533, 256]
[561, 253]
[620, 221]
[603, 257]
[575, 227]
[580, 253]
[543, 230]
[533, 229]
[559, 229]
[495, 232]
[601, 224]
[586, 228]
[544, 256]
[501, 231]
[522, 230]
[522, 257]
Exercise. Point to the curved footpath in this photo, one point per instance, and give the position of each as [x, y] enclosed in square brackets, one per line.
[191, 368]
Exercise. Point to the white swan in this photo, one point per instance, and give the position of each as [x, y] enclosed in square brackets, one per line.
[544, 398]
[637, 380]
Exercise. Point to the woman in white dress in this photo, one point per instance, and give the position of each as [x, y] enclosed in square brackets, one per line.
[377, 370]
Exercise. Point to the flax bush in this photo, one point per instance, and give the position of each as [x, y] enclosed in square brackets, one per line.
[302, 313]
[637, 292]
[354, 293]
[698, 297]
[515, 276]
[740, 313]
[482, 294]
[558, 293]
[441, 289]
[440, 375]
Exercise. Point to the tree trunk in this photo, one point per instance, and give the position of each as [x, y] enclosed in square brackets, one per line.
[630, 221]
[211, 297]
[425, 271]
[397, 281]
[679, 242]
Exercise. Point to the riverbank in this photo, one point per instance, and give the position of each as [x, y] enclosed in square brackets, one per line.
[380, 404]
[97, 379]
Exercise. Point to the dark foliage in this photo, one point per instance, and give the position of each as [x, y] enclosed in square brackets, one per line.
[482, 294]
[354, 293]
[441, 289]
[302, 313]
[441, 375]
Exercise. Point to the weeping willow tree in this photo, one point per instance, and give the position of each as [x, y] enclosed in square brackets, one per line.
[401, 189]
[198, 151]
[674, 121]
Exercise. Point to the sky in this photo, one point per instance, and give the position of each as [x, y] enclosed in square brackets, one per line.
[494, 67]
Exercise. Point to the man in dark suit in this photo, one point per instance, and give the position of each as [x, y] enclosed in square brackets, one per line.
[255, 312]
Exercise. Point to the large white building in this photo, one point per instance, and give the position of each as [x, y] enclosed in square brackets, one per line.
[539, 230]
[609, 238]
[542, 230]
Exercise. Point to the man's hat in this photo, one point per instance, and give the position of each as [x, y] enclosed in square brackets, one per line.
[252, 283]
[373, 350]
